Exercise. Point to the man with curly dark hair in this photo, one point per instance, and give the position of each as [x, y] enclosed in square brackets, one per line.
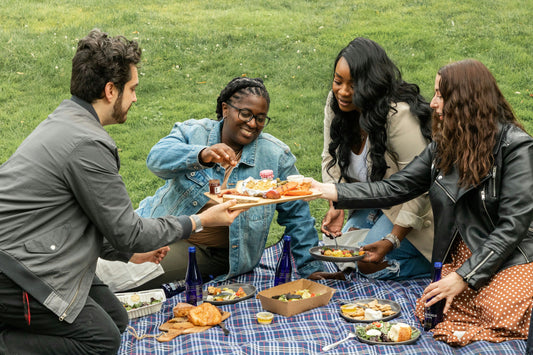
[63, 204]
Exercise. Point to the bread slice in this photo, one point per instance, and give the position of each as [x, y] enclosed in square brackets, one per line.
[182, 309]
[240, 199]
[399, 332]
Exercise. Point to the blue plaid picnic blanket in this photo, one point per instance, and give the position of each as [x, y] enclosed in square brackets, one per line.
[305, 333]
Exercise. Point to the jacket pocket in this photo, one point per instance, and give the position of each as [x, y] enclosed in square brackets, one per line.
[49, 242]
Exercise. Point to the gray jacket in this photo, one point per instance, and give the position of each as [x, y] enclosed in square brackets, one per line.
[60, 196]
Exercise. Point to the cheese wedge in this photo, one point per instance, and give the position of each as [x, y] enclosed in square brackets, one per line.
[240, 199]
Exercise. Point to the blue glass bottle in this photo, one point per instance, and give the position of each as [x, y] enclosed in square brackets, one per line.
[433, 314]
[284, 266]
[193, 280]
[173, 288]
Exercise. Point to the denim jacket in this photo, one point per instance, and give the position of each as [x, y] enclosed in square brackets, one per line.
[175, 159]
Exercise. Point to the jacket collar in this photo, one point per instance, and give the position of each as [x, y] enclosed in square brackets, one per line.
[248, 152]
[86, 105]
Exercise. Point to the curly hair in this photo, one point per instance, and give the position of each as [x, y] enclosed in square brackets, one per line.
[467, 133]
[239, 87]
[378, 84]
[100, 59]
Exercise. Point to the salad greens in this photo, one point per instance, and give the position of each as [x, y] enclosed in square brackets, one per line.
[140, 304]
[363, 331]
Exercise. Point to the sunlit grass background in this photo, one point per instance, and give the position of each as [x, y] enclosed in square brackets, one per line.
[191, 49]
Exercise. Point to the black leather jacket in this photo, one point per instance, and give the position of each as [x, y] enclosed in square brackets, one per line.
[494, 218]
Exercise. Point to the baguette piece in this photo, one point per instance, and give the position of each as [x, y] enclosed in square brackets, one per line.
[240, 199]
[399, 332]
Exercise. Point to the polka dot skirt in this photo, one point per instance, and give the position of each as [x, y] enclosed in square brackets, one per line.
[497, 312]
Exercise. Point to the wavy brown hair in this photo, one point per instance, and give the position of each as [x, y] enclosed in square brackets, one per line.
[473, 107]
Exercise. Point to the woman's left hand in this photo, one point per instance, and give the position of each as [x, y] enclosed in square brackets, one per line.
[375, 252]
[446, 288]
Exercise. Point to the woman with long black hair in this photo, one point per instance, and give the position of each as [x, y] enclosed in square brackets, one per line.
[375, 124]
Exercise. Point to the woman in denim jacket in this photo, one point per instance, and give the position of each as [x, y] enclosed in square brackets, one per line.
[230, 149]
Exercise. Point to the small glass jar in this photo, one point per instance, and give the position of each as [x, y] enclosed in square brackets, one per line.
[267, 174]
[214, 186]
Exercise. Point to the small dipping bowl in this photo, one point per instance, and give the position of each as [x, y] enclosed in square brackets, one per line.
[348, 308]
[295, 178]
[264, 317]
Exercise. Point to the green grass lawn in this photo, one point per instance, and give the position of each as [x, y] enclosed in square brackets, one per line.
[191, 49]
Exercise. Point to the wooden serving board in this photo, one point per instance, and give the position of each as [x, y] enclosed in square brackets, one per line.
[264, 201]
[178, 326]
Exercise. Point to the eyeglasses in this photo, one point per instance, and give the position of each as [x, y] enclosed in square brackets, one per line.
[246, 115]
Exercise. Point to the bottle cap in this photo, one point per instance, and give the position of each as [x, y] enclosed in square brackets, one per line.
[192, 249]
[437, 264]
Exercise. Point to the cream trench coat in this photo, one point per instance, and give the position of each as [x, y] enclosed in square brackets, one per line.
[406, 140]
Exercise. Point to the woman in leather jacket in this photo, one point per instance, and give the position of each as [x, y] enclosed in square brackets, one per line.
[479, 174]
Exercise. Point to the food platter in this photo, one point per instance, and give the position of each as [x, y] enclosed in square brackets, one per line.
[415, 332]
[247, 288]
[263, 201]
[395, 307]
[317, 254]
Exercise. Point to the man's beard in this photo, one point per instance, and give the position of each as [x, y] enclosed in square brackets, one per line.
[119, 115]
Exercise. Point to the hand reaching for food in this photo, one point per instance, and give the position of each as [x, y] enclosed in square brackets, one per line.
[218, 153]
[332, 223]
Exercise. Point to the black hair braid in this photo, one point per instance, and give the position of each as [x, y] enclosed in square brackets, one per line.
[241, 86]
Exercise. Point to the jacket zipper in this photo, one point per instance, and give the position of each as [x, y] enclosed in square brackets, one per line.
[483, 197]
[523, 254]
[445, 191]
[494, 181]
[469, 275]
[450, 246]
[64, 315]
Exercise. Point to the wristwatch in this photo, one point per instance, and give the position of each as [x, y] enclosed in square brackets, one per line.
[198, 223]
[393, 239]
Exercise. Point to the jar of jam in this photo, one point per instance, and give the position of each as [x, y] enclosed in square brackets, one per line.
[266, 174]
[214, 186]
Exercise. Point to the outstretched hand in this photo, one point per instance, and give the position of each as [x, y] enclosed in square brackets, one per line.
[154, 256]
[218, 153]
[447, 288]
[219, 215]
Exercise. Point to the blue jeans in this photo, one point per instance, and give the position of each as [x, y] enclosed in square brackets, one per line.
[406, 262]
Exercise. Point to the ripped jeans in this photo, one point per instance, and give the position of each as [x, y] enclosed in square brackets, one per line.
[406, 262]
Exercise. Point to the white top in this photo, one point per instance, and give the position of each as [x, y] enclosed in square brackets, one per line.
[358, 164]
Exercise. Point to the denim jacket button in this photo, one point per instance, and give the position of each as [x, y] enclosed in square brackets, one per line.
[195, 203]
[193, 173]
[218, 168]
[234, 246]
[52, 247]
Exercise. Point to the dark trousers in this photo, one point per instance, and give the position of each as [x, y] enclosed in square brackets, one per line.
[96, 330]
